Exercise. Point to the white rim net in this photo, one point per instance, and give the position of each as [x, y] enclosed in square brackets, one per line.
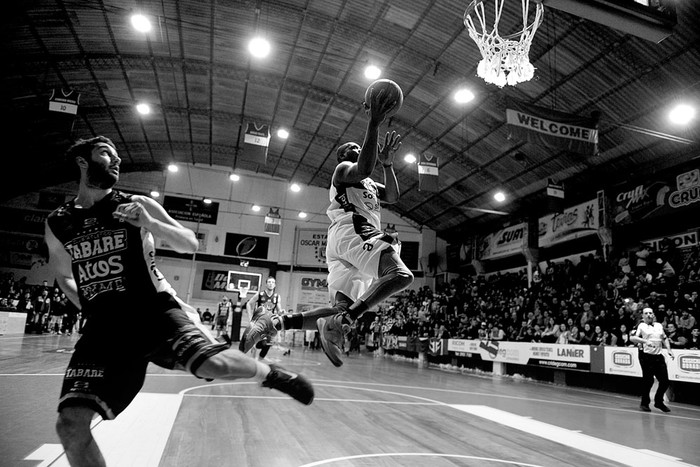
[505, 59]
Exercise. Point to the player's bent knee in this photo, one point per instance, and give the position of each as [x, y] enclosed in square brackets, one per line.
[220, 365]
[73, 424]
[404, 277]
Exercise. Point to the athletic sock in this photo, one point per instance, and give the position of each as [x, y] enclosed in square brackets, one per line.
[261, 370]
[278, 322]
[356, 309]
[292, 321]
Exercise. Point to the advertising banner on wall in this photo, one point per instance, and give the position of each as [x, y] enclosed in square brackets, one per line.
[310, 291]
[311, 247]
[676, 192]
[570, 224]
[191, 210]
[565, 357]
[505, 242]
[625, 361]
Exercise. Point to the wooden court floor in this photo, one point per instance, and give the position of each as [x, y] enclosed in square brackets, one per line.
[374, 411]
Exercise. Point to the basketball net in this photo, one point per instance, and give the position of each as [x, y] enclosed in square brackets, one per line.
[505, 59]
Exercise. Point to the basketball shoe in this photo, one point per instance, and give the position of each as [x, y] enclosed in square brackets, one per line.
[292, 384]
[260, 327]
[331, 332]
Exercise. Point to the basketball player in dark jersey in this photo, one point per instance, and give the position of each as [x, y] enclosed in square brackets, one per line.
[266, 301]
[364, 266]
[101, 247]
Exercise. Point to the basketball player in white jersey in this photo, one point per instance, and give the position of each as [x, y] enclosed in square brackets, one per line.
[364, 267]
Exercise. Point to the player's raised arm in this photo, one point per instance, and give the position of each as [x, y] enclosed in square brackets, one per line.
[148, 214]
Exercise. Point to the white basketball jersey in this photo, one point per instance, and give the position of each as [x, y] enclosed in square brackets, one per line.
[356, 198]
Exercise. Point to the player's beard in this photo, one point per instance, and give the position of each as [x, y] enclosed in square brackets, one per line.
[100, 176]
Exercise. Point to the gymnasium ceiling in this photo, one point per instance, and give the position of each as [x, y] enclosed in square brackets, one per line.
[203, 86]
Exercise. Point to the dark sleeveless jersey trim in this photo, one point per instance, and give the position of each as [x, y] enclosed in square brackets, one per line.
[366, 230]
[62, 219]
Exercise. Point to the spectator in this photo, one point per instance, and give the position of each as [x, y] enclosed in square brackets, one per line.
[623, 337]
[609, 338]
[497, 333]
[564, 334]
[587, 336]
[693, 342]
[574, 336]
[642, 254]
[686, 321]
[675, 338]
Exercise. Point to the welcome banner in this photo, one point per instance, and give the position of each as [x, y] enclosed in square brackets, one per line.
[551, 128]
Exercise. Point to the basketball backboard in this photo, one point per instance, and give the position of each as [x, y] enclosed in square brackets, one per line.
[237, 280]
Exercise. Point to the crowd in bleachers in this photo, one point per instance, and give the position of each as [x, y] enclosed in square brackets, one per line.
[592, 302]
[48, 309]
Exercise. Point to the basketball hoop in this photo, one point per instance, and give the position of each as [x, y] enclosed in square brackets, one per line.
[505, 59]
[242, 292]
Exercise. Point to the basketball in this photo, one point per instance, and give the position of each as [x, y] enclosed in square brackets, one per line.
[387, 90]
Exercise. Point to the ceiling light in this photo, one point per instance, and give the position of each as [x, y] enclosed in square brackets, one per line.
[499, 196]
[255, 208]
[295, 187]
[172, 168]
[462, 96]
[143, 109]
[409, 158]
[302, 215]
[155, 194]
[682, 114]
[259, 47]
[282, 133]
[206, 201]
[140, 23]
[234, 177]
[372, 72]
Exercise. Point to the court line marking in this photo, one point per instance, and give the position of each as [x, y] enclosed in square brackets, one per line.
[592, 445]
[155, 413]
[415, 454]
[137, 437]
[452, 391]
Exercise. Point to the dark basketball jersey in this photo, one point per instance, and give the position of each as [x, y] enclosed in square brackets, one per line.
[113, 262]
[270, 302]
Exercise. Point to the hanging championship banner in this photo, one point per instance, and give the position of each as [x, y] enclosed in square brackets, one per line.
[427, 173]
[273, 221]
[255, 143]
[552, 129]
[64, 102]
[63, 107]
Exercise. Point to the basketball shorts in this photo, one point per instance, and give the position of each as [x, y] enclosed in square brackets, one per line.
[352, 254]
[108, 367]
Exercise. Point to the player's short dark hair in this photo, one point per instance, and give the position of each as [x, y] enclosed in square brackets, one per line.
[340, 152]
[83, 147]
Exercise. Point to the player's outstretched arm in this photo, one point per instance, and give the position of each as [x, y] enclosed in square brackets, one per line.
[148, 214]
